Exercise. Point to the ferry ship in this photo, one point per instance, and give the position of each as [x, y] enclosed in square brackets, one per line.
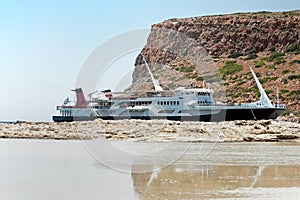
[193, 104]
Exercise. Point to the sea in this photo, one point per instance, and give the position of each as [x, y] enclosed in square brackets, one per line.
[102, 169]
[3, 122]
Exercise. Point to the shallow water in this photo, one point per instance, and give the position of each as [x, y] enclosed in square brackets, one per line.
[51, 169]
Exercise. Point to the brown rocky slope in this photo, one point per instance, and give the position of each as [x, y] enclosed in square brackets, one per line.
[269, 42]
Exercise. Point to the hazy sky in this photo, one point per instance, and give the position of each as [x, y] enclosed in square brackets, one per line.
[43, 44]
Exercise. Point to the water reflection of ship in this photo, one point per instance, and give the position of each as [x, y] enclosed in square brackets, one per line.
[175, 182]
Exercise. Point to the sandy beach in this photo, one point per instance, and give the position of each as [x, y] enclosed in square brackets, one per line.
[156, 130]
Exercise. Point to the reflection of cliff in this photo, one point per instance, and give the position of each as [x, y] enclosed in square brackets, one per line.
[211, 182]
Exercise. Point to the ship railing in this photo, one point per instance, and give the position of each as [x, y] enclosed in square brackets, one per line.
[141, 94]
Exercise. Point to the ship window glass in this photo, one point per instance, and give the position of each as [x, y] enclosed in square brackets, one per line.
[158, 103]
[167, 103]
[177, 102]
[171, 102]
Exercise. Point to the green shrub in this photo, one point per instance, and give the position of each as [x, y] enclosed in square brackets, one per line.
[294, 62]
[230, 67]
[297, 52]
[275, 55]
[272, 48]
[268, 91]
[291, 77]
[199, 78]
[282, 28]
[286, 112]
[188, 69]
[240, 83]
[278, 61]
[235, 55]
[285, 81]
[293, 47]
[271, 66]
[285, 71]
[230, 62]
[266, 79]
[295, 92]
[284, 91]
[245, 95]
[251, 56]
[258, 64]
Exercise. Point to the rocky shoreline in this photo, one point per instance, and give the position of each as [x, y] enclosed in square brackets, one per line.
[156, 130]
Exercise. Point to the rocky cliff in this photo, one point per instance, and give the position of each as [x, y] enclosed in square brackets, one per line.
[180, 52]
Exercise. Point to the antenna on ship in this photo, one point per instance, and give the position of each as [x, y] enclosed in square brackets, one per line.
[157, 87]
[90, 94]
[277, 97]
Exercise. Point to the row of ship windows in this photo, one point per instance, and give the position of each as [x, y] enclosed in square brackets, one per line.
[204, 103]
[168, 103]
[198, 93]
[66, 113]
[203, 94]
[140, 103]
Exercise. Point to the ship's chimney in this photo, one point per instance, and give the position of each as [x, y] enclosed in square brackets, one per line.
[80, 99]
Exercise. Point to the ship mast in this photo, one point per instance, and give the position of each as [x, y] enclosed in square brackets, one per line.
[155, 82]
[264, 99]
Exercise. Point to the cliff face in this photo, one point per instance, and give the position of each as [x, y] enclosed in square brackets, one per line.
[269, 42]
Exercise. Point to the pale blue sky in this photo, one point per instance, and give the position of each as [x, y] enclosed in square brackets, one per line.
[44, 43]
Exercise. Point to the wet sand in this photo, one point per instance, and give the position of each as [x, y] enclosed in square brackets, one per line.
[156, 130]
[72, 169]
